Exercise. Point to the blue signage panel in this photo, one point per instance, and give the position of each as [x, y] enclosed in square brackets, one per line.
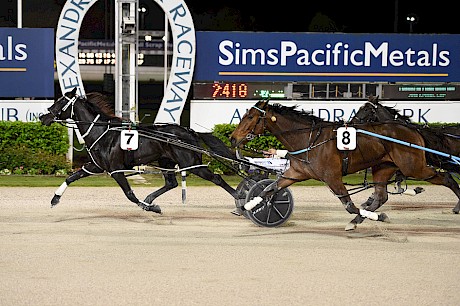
[26, 62]
[263, 56]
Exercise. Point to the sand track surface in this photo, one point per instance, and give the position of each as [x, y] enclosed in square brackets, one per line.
[97, 248]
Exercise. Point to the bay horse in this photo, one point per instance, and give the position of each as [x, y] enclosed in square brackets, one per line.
[313, 153]
[444, 139]
[101, 131]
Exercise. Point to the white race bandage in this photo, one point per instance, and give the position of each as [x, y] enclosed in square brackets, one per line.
[251, 204]
[369, 214]
[61, 189]
[410, 192]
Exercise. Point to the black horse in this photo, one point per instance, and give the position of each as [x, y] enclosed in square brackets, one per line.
[166, 144]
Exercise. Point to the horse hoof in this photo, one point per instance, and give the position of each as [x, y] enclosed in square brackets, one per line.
[455, 211]
[384, 218]
[237, 212]
[55, 200]
[153, 208]
[350, 226]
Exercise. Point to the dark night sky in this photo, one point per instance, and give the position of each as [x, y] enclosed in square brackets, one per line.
[349, 16]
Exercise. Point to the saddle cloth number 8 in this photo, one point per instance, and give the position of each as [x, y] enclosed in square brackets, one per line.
[346, 138]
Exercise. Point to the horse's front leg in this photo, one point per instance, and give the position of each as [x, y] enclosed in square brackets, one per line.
[381, 175]
[87, 170]
[120, 178]
[379, 197]
[338, 188]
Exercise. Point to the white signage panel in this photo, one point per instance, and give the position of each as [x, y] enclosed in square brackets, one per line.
[204, 114]
[23, 110]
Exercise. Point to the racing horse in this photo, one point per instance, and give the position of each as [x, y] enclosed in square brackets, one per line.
[443, 139]
[167, 144]
[313, 152]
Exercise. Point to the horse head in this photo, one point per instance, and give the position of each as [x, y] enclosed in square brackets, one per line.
[61, 108]
[251, 125]
[374, 111]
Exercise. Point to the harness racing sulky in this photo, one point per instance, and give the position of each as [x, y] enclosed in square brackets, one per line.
[327, 151]
[116, 146]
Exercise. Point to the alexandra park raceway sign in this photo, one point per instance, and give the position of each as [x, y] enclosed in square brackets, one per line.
[330, 57]
[183, 61]
[26, 70]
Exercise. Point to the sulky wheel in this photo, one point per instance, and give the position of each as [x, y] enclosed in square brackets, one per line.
[272, 211]
[243, 188]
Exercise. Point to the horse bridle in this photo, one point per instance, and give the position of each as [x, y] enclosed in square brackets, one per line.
[374, 107]
[251, 135]
[70, 102]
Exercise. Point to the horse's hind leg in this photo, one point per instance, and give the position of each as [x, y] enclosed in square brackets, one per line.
[206, 174]
[446, 179]
[120, 178]
[87, 170]
[170, 183]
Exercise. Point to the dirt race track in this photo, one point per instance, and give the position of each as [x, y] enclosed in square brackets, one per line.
[97, 248]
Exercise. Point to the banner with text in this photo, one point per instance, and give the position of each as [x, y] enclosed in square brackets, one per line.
[26, 62]
[264, 56]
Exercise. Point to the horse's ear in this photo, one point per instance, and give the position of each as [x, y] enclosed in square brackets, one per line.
[73, 92]
[263, 104]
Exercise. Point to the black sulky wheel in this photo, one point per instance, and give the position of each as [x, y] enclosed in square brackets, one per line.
[272, 211]
[243, 188]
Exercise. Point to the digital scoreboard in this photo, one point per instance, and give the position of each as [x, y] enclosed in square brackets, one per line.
[422, 92]
[238, 90]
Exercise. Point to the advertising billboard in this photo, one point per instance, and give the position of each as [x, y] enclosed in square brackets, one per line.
[327, 57]
[26, 62]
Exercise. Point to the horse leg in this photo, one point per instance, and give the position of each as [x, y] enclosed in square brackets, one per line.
[438, 178]
[120, 178]
[170, 183]
[87, 170]
[446, 179]
[206, 174]
[381, 174]
[338, 188]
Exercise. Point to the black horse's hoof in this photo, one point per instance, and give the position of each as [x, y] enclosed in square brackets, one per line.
[455, 211]
[384, 218]
[237, 212]
[153, 208]
[55, 200]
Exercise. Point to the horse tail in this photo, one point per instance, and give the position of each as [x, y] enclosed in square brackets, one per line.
[216, 145]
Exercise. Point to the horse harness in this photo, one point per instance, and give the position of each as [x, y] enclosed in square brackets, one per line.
[311, 144]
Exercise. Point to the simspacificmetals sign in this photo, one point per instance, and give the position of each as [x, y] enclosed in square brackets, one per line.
[26, 62]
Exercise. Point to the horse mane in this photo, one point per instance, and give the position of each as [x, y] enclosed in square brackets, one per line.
[100, 104]
[294, 113]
